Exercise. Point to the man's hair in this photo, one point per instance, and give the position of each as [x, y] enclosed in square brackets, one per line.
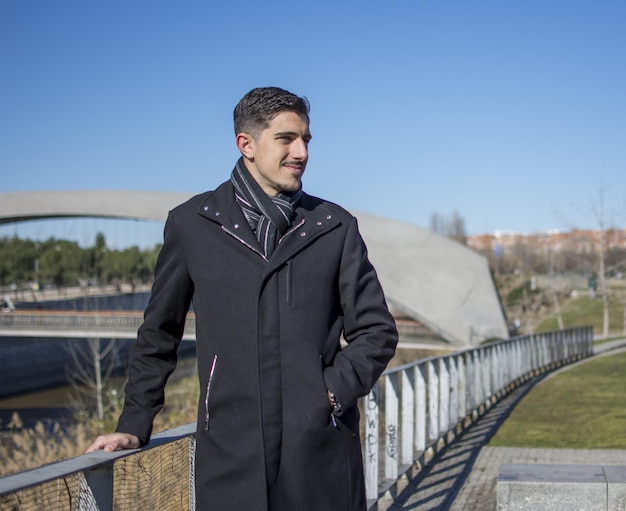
[259, 106]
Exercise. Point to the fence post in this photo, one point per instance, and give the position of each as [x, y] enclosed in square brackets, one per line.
[420, 408]
[192, 474]
[391, 426]
[100, 487]
[409, 404]
[471, 382]
[542, 351]
[478, 378]
[462, 374]
[486, 362]
[433, 401]
[454, 392]
[444, 395]
[515, 364]
[496, 367]
[370, 448]
[511, 363]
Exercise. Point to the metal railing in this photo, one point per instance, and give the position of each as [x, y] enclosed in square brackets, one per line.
[412, 412]
[158, 476]
[113, 324]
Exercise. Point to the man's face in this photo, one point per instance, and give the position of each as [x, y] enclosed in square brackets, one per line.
[277, 157]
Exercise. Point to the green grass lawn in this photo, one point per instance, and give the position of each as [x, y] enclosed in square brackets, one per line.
[585, 311]
[580, 408]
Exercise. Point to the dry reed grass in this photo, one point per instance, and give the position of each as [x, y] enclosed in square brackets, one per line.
[26, 448]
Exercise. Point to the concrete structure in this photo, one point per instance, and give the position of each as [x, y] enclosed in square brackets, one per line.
[137, 205]
[433, 280]
[562, 487]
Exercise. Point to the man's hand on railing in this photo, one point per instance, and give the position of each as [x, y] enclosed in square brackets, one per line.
[114, 442]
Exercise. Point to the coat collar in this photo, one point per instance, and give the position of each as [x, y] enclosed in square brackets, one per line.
[312, 220]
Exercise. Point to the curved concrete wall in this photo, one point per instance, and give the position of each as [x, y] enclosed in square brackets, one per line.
[437, 281]
[434, 280]
[21, 206]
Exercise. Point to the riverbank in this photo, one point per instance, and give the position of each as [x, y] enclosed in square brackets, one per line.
[55, 404]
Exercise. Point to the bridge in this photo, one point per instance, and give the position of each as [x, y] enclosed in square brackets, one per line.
[79, 324]
[411, 419]
[124, 325]
[37, 345]
[430, 279]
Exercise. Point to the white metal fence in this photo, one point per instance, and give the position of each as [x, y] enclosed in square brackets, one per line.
[411, 412]
[413, 408]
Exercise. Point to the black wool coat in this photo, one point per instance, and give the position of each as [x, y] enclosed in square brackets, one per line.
[284, 318]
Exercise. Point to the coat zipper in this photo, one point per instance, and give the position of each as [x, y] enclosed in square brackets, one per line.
[294, 228]
[244, 242]
[255, 249]
[289, 269]
[206, 397]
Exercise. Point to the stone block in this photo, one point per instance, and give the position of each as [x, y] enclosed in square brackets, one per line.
[616, 480]
[533, 487]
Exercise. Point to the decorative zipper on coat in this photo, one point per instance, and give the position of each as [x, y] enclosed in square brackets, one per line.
[206, 397]
[289, 284]
[243, 242]
[293, 229]
[256, 249]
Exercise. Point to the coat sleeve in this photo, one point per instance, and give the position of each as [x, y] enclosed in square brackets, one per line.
[153, 355]
[369, 328]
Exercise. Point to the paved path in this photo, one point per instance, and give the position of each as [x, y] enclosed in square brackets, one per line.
[464, 477]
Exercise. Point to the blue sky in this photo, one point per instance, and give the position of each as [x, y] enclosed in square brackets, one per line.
[511, 112]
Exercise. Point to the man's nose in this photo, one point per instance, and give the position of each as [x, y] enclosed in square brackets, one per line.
[299, 149]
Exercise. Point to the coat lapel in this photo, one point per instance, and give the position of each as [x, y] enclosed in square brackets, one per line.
[308, 226]
[312, 220]
[222, 208]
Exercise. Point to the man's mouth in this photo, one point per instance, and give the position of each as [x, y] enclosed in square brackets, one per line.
[294, 165]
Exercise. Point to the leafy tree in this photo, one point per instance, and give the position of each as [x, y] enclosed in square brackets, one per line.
[64, 263]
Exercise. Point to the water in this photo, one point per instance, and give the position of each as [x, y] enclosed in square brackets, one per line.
[28, 364]
[55, 404]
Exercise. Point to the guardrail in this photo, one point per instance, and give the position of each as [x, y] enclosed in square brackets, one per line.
[158, 476]
[115, 324]
[71, 319]
[412, 412]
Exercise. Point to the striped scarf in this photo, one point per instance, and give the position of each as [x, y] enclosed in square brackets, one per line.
[269, 217]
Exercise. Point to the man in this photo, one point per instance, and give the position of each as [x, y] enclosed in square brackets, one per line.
[276, 278]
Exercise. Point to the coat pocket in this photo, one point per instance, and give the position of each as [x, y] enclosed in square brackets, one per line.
[332, 419]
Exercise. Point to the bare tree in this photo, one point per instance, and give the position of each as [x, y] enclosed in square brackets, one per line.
[452, 227]
[457, 228]
[91, 371]
[437, 223]
[598, 210]
[604, 217]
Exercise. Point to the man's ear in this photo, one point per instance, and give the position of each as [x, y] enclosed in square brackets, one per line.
[245, 144]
